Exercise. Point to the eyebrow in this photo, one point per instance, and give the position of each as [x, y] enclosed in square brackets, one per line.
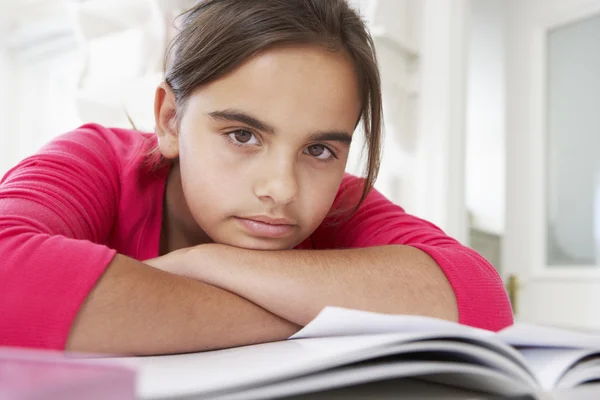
[232, 115]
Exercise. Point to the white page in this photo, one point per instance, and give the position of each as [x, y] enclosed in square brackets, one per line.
[549, 364]
[582, 372]
[522, 335]
[592, 373]
[493, 365]
[469, 377]
[209, 372]
[337, 321]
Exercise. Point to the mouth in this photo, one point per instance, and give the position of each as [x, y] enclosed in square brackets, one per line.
[265, 226]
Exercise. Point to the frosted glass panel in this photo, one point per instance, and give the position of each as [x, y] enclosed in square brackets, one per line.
[573, 153]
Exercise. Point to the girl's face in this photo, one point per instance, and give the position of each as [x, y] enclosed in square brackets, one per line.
[262, 151]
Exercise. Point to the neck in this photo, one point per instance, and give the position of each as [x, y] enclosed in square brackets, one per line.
[179, 229]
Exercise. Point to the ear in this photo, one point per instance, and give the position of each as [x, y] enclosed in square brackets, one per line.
[165, 115]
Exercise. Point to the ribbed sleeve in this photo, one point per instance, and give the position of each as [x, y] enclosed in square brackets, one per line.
[56, 210]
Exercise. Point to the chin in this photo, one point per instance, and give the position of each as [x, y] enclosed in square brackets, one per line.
[261, 244]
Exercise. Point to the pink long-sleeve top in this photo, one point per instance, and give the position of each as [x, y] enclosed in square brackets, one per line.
[91, 193]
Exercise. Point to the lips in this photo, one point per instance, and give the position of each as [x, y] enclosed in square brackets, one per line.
[265, 226]
[270, 220]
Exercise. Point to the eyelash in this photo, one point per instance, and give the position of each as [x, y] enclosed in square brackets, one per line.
[328, 159]
[234, 142]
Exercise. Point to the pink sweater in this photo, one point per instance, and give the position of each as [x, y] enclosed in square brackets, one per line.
[90, 193]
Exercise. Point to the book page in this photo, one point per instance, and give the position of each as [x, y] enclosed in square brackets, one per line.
[550, 364]
[338, 321]
[527, 335]
[211, 372]
[584, 372]
[454, 375]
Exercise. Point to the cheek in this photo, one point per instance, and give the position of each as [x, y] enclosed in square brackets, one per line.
[318, 193]
[209, 177]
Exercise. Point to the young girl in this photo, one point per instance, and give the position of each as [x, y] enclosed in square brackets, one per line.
[235, 222]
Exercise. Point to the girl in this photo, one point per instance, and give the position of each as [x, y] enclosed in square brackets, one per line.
[235, 222]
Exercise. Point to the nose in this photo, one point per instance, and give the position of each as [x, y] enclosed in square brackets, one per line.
[278, 182]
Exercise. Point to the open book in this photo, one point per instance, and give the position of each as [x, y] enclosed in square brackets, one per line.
[342, 347]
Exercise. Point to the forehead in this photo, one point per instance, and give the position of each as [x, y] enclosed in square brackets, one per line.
[305, 85]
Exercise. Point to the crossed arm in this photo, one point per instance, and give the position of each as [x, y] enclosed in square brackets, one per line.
[214, 296]
[296, 284]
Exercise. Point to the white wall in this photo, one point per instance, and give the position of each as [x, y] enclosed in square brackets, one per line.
[39, 106]
[423, 162]
[39, 70]
[440, 171]
[396, 28]
[485, 120]
[6, 93]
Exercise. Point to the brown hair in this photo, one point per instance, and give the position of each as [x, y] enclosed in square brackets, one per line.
[216, 36]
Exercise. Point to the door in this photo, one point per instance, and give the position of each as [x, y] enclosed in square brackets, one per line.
[552, 235]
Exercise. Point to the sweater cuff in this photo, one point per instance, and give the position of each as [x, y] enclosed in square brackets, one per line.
[480, 295]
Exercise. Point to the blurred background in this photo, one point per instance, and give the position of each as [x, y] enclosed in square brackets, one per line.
[492, 111]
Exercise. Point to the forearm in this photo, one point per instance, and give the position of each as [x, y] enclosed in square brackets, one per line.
[138, 310]
[297, 284]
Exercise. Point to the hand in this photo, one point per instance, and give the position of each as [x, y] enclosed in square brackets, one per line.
[200, 262]
[210, 263]
[175, 262]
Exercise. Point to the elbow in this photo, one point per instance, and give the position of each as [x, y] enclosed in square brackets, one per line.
[481, 298]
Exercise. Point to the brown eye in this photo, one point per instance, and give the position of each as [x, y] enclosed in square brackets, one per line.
[319, 152]
[316, 150]
[243, 136]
